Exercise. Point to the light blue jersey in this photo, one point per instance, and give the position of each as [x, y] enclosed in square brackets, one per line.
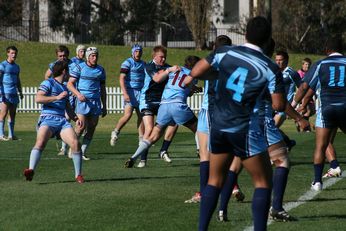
[9, 79]
[134, 71]
[53, 88]
[89, 79]
[175, 90]
[77, 60]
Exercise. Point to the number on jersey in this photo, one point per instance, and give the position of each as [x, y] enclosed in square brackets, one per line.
[236, 83]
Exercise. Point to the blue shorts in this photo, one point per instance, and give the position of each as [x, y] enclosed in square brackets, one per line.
[91, 107]
[55, 123]
[271, 132]
[9, 98]
[134, 95]
[242, 145]
[203, 121]
[174, 113]
[331, 116]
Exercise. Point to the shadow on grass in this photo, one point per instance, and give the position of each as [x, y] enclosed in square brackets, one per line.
[118, 179]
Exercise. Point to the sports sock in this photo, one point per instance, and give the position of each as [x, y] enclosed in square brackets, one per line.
[35, 156]
[1, 128]
[203, 175]
[143, 147]
[208, 205]
[144, 155]
[318, 169]
[260, 208]
[165, 145]
[85, 144]
[64, 146]
[10, 128]
[279, 186]
[227, 189]
[334, 163]
[77, 162]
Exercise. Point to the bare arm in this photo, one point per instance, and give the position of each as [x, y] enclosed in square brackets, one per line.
[197, 71]
[123, 87]
[162, 75]
[304, 124]
[71, 87]
[278, 101]
[42, 98]
[19, 87]
[303, 88]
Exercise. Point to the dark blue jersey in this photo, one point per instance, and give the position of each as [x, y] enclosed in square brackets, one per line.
[244, 74]
[327, 77]
[152, 91]
[291, 80]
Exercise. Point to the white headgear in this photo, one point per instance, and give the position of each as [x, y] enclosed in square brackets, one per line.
[89, 51]
[80, 47]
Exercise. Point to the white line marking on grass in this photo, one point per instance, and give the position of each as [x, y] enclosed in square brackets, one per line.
[308, 196]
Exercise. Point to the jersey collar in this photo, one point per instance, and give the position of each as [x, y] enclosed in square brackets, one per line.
[335, 54]
[253, 46]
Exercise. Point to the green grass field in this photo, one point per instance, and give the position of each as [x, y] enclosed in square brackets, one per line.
[115, 198]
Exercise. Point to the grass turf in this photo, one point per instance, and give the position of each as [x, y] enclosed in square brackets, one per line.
[114, 198]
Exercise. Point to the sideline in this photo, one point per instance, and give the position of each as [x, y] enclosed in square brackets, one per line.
[308, 196]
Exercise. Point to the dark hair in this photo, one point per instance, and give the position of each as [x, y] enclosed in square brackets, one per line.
[11, 48]
[190, 61]
[62, 48]
[59, 67]
[334, 44]
[258, 31]
[306, 60]
[283, 54]
[269, 48]
[222, 40]
[158, 48]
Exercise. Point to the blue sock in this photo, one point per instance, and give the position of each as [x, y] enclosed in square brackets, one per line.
[77, 162]
[260, 208]
[279, 186]
[143, 147]
[318, 168]
[144, 155]
[203, 175]
[85, 145]
[1, 128]
[208, 205]
[165, 145]
[35, 156]
[227, 189]
[10, 128]
[334, 163]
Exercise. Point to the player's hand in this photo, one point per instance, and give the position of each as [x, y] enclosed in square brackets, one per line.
[126, 98]
[303, 124]
[174, 68]
[301, 110]
[62, 95]
[104, 112]
[81, 97]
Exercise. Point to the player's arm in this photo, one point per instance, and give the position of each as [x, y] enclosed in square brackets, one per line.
[307, 98]
[42, 98]
[71, 87]
[304, 124]
[19, 88]
[160, 76]
[302, 90]
[123, 87]
[198, 71]
[48, 74]
[104, 98]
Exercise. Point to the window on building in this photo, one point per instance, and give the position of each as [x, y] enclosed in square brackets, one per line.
[231, 11]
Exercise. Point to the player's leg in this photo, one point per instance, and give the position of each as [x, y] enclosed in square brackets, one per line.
[219, 164]
[91, 123]
[140, 125]
[260, 170]
[3, 114]
[322, 140]
[79, 128]
[228, 187]
[128, 111]
[69, 136]
[334, 170]
[42, 137]
[170, 132]
[12, 108]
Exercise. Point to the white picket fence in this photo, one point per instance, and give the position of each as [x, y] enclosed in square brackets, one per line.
[114, 101]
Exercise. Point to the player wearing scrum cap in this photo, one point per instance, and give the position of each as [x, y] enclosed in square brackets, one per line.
[90, 93]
